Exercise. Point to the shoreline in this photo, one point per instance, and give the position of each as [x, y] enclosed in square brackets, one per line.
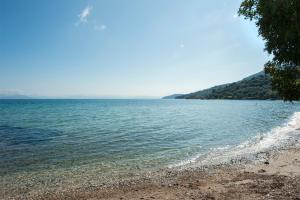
[276, 178]
[274, 175]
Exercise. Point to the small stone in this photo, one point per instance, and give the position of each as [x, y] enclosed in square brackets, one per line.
[266, 162]
[261, 171]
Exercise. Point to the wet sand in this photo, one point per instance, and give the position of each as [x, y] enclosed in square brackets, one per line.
[276, 176]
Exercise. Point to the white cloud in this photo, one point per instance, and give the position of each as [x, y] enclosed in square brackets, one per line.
[235, 15]
[85, 13]
[181, 46]
[100, 27]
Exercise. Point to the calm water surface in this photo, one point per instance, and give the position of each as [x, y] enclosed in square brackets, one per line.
[123, 136]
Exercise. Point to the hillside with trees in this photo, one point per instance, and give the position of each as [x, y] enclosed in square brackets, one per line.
[278, 24]
[257, 86]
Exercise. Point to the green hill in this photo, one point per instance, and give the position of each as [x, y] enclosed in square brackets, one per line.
[257, 86]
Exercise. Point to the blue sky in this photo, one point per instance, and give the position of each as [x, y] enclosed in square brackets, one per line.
[61, 48]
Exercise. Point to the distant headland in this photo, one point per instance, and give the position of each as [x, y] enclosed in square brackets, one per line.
[256, 86]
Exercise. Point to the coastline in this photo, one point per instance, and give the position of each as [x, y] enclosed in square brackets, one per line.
[276, 176]
[267, 167]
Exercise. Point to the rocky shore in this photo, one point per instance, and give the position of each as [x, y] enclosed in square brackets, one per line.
[277, 176]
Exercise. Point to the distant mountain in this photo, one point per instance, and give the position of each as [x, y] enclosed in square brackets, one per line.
[13, 96]
[257, 86]
[173, 96]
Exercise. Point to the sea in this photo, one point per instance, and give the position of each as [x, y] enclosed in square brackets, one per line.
[74, 142]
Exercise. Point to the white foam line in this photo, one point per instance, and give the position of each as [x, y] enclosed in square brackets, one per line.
[275, 137]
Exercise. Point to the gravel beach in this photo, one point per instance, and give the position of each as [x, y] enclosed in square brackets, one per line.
[277, 176]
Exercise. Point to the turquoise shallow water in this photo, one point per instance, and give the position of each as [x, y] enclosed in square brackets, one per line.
[125, 136]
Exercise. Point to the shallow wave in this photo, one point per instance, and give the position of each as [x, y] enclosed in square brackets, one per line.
[275, 138]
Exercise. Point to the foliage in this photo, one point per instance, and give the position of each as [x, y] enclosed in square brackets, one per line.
[257, 86]
[278, 23]
[285, 80]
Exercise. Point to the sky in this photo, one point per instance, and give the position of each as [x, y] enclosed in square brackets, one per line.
[124, 48]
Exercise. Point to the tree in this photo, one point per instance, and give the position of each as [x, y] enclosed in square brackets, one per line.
[278, 23]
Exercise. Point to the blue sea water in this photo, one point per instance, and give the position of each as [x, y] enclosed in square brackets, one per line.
[114, 137]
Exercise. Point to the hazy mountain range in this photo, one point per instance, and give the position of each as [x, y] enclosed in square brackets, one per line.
[256, 86]
[14, 96]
